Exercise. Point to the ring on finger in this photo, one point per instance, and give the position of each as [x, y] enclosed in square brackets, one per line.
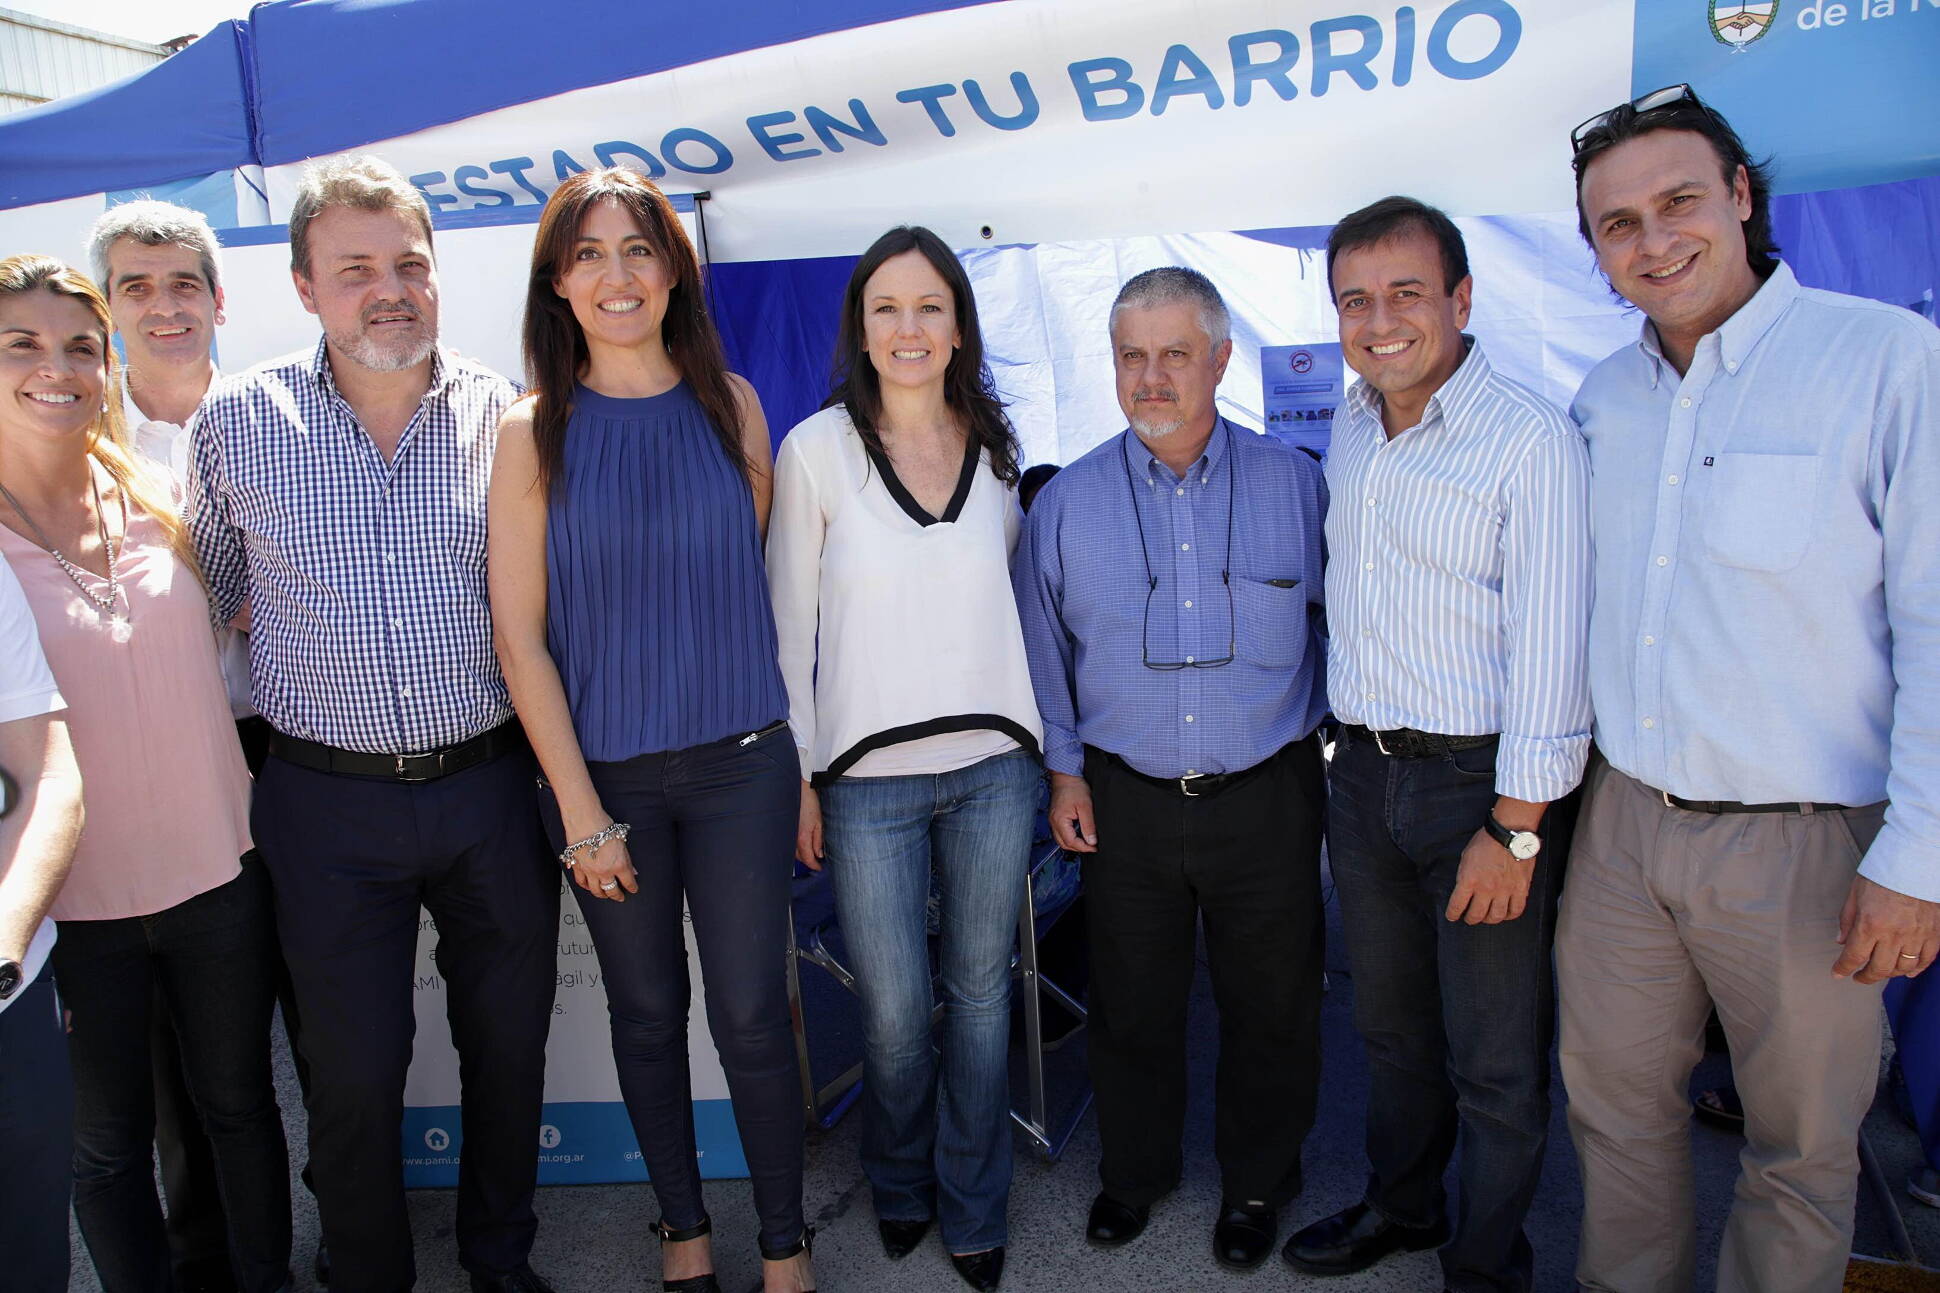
[1909, 956]
[609, 885]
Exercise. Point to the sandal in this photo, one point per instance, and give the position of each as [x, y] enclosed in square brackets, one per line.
[1721, 1108]
[691, 1283]
[806, 1244]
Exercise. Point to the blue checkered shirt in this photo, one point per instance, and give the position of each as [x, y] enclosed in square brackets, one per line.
[1092, 617]
[370, 626]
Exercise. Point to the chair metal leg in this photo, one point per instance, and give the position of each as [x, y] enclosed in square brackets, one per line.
[1049, 1142]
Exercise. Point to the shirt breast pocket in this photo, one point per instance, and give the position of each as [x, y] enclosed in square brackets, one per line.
[1760, 513]
[1271, 617]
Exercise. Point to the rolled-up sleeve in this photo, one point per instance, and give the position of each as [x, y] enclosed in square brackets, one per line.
[1546, 563]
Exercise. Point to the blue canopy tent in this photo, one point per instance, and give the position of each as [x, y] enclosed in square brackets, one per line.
[1061, 146]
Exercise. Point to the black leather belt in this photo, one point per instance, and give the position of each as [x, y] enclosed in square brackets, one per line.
[1727, 806]
[1194, 787]
[429, 766]
[1407, 743]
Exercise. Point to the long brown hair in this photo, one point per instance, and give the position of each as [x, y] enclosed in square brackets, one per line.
[555, 346]
[968, 389]
[108, 439]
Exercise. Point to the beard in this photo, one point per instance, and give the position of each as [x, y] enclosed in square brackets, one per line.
[391, 355]
[1155, 426]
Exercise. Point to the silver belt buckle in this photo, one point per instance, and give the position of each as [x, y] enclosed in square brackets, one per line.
[1379, 744]
[1185, 787]
[1665, 795]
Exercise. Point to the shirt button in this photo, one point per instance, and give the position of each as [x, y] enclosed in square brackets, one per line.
[1731, 366]
[1367, 633]
[1188, 718]
[1370, 565]
[397, 623]
[1188, 605]
[1188, 659]
[404, 692]
[1650, 722]
[1649, 641]
[1185, 547]
[1686, 401]
[390, 558]
[1180, 490]
[1370, 695]
[1192, 772]
[1370, 502]
[1671, 479]
[1663, 561]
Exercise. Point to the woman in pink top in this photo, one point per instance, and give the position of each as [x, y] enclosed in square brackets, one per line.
[157, 897]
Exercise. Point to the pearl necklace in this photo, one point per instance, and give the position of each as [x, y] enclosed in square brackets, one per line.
[109, 605]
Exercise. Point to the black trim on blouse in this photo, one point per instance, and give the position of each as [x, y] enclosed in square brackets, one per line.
[907, 501]
[916, 731]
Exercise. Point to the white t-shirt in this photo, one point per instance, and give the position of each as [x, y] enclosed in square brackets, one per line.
[166, 445]
[898, 632]
[26, 691]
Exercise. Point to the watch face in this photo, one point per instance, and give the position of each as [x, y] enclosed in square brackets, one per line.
[1524, 845]
[9, 978]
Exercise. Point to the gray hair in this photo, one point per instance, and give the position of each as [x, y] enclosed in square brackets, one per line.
[1177, 283]
[361, 183]
[154, 224]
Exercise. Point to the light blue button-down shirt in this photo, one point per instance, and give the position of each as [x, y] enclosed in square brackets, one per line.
[1083, 593]
[1767, 532]
[1458, 579]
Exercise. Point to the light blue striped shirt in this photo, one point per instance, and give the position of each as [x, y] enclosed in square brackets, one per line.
[1767, 527]
[1458, 579]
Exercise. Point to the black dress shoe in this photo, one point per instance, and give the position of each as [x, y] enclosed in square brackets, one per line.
[983, 1270]
[1356, 1238]
[1113, 1224]
[1244, 1235]
[899, 1238]
[523, 1279]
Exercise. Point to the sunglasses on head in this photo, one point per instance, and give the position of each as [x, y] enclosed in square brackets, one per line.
[1669, 96]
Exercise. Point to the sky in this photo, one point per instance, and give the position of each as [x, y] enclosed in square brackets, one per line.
[149, 20]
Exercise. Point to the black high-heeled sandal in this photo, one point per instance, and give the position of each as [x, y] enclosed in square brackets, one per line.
[806, 1244]
[691, 1283]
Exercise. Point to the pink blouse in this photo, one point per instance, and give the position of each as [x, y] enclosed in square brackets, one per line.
[162, 776]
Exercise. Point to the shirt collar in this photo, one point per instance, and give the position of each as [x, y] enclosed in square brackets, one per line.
[131, 412]
[1740, 334]
[1137, 451]
[1460, 391]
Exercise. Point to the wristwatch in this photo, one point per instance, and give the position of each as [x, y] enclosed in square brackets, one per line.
[1522, 845]
[9, 979]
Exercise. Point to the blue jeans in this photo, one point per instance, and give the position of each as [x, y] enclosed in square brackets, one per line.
[36, 1140]
[1457, 1018]
[935, 1140]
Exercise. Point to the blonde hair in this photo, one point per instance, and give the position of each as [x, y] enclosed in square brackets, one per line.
[108, 440]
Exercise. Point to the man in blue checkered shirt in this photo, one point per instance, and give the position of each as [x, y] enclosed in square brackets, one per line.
[340, 495]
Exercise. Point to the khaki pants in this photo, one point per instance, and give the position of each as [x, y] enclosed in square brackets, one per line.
[1664, 914]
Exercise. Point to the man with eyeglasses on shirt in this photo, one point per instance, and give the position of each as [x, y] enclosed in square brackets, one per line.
[1458, 597]
[1765, 669]
[1169, 584]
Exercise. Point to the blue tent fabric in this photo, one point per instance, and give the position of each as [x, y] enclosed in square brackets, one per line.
[323, 90]
[185, 118]
[778, 321]
[1881, 241]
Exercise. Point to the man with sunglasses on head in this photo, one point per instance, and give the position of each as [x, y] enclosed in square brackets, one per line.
[1169, 584]
[1765, 670]
[1459, 598]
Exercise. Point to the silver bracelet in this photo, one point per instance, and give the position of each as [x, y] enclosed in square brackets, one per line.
[569, 856]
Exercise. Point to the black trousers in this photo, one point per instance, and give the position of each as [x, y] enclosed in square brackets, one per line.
[352, 860]
[36, 1141]
[1246, 863]
[198, 1237]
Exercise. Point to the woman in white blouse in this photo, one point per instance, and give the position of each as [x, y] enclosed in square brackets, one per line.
[895, 514]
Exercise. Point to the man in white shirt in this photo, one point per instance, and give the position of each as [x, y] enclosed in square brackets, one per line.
[41, 823]
[159, 266]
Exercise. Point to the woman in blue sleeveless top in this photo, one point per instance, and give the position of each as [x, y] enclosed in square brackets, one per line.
[631, 616]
